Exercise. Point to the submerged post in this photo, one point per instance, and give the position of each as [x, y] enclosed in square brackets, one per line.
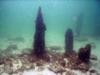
[69, 41]
[39, 37]
[84, 53]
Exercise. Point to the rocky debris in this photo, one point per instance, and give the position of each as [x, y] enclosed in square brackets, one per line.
[1, 61]
[93, 71]
[57, 68]
[17, 64]
[93, 57]
[73, 62]
[58, 65]
[65, 61]
[1, 68]
[83, 67]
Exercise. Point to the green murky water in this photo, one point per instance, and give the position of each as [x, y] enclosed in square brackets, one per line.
[17, 19]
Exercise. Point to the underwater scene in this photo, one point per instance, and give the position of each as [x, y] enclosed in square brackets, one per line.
[49, 37]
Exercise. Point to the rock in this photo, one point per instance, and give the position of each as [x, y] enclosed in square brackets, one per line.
[4, 73]
[8, 69]
[1, 68]
[93, 72]
[62, 63]
[66, 60]
[1, 61]
[93, 57]
[7, 65]
[17, 64]
[84, 67]
[56, 68]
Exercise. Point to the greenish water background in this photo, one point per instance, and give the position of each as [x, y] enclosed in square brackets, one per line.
[17, 18]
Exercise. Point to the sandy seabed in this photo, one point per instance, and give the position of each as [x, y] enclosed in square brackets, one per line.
[24, 64]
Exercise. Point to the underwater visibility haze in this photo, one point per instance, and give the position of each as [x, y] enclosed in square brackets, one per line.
[60, 22]
[17, 18]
